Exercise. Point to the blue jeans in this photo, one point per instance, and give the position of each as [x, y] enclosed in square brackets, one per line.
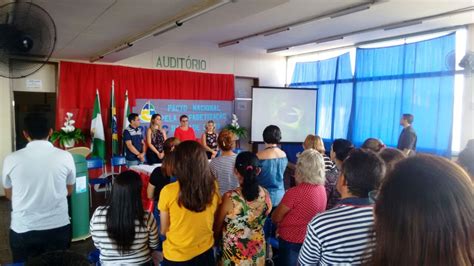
[288, 253]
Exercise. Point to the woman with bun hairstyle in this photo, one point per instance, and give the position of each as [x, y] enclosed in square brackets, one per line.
[239, 221]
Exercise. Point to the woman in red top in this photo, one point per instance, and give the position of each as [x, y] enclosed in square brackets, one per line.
[184, 131]
[299, 205]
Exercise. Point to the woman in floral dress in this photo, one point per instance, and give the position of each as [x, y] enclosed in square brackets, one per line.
[240, 218]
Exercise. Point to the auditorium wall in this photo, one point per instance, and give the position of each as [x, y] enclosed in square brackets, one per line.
[5, 120]
[270, 69]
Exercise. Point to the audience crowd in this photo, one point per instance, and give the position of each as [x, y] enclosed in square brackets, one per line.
[372, 205]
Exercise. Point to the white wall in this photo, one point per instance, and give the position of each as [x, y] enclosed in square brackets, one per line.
[47, 76]
[5, 120]
[467, 127]
[270, 69]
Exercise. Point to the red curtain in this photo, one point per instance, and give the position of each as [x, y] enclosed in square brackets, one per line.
[78, 83]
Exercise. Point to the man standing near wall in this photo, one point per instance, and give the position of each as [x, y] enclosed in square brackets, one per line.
[135, 148]
[408, 138]
[37, 179]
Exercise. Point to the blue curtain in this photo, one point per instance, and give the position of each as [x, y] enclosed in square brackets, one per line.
[415, 78]
[333, 79]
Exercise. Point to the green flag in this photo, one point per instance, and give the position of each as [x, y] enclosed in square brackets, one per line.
[97, 131]
[113, 123]
[126, 112]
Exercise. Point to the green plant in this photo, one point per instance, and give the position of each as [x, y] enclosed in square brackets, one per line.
[68, 134]
[240, 132]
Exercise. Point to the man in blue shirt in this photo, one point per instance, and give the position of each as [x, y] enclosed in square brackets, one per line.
[134, 144]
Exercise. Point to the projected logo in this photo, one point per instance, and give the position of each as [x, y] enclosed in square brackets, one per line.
[289, 115]
[147, 111]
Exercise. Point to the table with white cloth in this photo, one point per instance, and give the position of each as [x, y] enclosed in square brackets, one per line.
[145, 170]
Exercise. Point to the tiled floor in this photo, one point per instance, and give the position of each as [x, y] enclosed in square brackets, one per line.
[81, 247]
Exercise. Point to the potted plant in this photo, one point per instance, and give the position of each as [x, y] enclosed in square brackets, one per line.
[240, 132]
[68, 135]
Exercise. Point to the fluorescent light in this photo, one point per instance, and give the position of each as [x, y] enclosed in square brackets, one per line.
[124, 46]
[275, 50]
[350, 11]
[402, 25]
[275, 31]
[166, 29]
[229, 43]
[329, 39]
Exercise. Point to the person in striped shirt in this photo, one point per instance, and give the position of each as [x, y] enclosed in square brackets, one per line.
[222, 167]
[343, 235]
[122, 231]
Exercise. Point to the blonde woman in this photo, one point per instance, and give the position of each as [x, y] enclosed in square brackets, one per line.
[209, 139]
[155, 138]
[315, 142]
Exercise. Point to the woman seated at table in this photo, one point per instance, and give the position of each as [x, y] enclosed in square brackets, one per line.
[155, 138]
[122, 231]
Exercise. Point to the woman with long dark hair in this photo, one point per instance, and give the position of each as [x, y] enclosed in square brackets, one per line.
[155, 139]
[122, 231]
[187, 208]
[241, 216]
[424, 215]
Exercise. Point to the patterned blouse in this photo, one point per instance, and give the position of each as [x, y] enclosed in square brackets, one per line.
[211, 141]
[243, 242]
[157, 140]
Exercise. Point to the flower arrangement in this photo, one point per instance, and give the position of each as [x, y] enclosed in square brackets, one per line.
[234, 127]
[68, 135]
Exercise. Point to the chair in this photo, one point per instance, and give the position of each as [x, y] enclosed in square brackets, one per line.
[97, 163]
[114, 162]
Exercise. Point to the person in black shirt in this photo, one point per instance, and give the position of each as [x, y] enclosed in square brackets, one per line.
[408, 138]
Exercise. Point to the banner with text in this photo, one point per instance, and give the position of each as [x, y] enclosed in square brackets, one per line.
[199, 112]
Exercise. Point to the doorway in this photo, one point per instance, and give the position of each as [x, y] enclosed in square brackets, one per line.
[32, 102]
[243, 107]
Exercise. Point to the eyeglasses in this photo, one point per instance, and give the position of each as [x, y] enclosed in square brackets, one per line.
[373, 195]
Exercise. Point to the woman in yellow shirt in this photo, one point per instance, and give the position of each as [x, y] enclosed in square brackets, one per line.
[187, 209]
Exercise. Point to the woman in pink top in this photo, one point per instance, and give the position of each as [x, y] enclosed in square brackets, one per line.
[184, 131]
[299, 205]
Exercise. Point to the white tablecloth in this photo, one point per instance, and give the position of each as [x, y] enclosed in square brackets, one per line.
[145, 168]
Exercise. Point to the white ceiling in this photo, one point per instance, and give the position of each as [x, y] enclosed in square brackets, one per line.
[88, 27]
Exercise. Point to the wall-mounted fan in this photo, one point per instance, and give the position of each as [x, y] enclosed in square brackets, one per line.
[27, 39]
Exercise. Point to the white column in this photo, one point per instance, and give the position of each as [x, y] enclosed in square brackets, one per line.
[467, 127]
[6, 122]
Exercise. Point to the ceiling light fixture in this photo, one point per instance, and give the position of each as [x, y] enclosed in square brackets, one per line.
[403, 25]
[275, 31]
[329, 39]
[229, 43]
[351, 10]
[275, 50]
[386, 27]
[159, 30]
[335, 14]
